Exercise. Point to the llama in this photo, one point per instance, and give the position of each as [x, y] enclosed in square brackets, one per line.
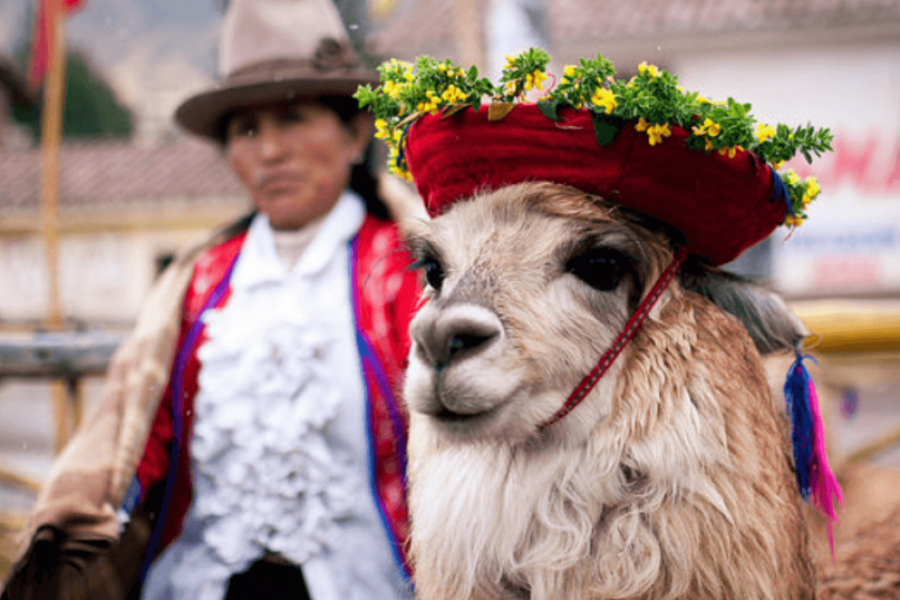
[672, 479]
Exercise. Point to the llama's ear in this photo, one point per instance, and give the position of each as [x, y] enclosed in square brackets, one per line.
[770, 323]
[405, 206]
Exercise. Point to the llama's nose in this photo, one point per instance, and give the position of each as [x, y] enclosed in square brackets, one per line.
[445, 336]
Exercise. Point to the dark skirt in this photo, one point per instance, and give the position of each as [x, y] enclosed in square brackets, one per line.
[270, 579]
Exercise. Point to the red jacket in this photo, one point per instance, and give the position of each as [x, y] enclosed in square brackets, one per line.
[385, 294]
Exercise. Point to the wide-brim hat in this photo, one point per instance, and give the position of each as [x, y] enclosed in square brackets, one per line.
[721, 204]
[274, 51]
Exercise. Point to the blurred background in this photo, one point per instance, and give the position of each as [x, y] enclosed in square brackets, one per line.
[132, 188]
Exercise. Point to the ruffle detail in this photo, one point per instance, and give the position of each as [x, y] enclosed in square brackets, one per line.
[265, 477]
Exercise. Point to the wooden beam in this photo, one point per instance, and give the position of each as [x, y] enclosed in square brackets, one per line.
[17, 479]
[62, 355]
[844, 327]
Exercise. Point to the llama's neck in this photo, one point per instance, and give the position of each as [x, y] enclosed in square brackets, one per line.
[535, 513]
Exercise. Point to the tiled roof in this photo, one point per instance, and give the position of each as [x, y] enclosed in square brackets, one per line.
[616, 20]
[422, 27]
[100, 174]
[428, 26]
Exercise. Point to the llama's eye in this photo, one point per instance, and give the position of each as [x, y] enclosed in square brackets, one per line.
[434, 272]
[601, 268]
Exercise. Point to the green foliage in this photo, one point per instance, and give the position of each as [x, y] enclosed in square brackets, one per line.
[91, 109]
[652, 100]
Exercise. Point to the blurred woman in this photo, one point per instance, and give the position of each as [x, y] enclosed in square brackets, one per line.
[274, 459]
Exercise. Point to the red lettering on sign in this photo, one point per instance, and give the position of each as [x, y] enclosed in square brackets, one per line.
[846, 272]
[893, 179]
[852, 160]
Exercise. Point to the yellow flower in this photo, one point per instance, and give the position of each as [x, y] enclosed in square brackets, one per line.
[431, 106]
[569, 71]
[793, 220]
[709, 145]
[658, 132]
[642, 125]
[645, 68]
[792, 177]
[539, 78]
[812, 187]
[777, 164]
[605, 98]
[448, 93]
[764, 132]
[703, 100]
[453, 95]
[712, 128]
[563, 80]
[461, 73]
[511, 88]
[730, 151]
[392, 89]
[401, 172]
[381, 129]
[699, 130]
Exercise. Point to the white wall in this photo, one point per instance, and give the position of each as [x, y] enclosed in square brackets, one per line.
[851, 243]
[103, 276]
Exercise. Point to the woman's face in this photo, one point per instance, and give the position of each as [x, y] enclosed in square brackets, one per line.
[294, 159]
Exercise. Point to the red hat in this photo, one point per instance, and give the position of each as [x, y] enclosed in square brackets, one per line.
[645, 143]
[721, 204]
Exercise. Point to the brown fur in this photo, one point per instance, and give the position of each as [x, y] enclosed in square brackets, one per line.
[672, 479]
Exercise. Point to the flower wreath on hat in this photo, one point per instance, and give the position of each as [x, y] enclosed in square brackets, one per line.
[635, 141]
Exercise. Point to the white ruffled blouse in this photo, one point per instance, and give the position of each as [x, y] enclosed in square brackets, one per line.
[280, 446]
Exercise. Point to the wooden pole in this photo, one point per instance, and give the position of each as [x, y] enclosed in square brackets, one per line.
[66, 403]
[51, 134]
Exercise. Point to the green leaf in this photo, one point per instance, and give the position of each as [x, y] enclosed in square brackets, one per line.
[606, 128]
[550, 108]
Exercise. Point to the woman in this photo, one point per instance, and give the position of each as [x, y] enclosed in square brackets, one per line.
[273, 463]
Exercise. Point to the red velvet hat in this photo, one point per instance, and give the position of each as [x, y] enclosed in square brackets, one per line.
[722, 205]
[644, 142]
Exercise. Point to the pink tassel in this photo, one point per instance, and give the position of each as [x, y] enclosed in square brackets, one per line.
[825, 487]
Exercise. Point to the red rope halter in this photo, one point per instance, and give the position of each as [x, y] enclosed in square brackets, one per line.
[634, 323]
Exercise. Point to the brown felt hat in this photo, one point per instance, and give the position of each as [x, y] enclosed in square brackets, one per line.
[275, 51]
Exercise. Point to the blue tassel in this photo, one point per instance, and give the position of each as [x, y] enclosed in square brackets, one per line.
[796, 393]
[401, 150]
[779, 191]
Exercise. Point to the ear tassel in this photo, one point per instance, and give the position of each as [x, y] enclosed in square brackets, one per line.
[808, 436]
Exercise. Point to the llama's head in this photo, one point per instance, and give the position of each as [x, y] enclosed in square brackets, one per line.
[527, 286]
